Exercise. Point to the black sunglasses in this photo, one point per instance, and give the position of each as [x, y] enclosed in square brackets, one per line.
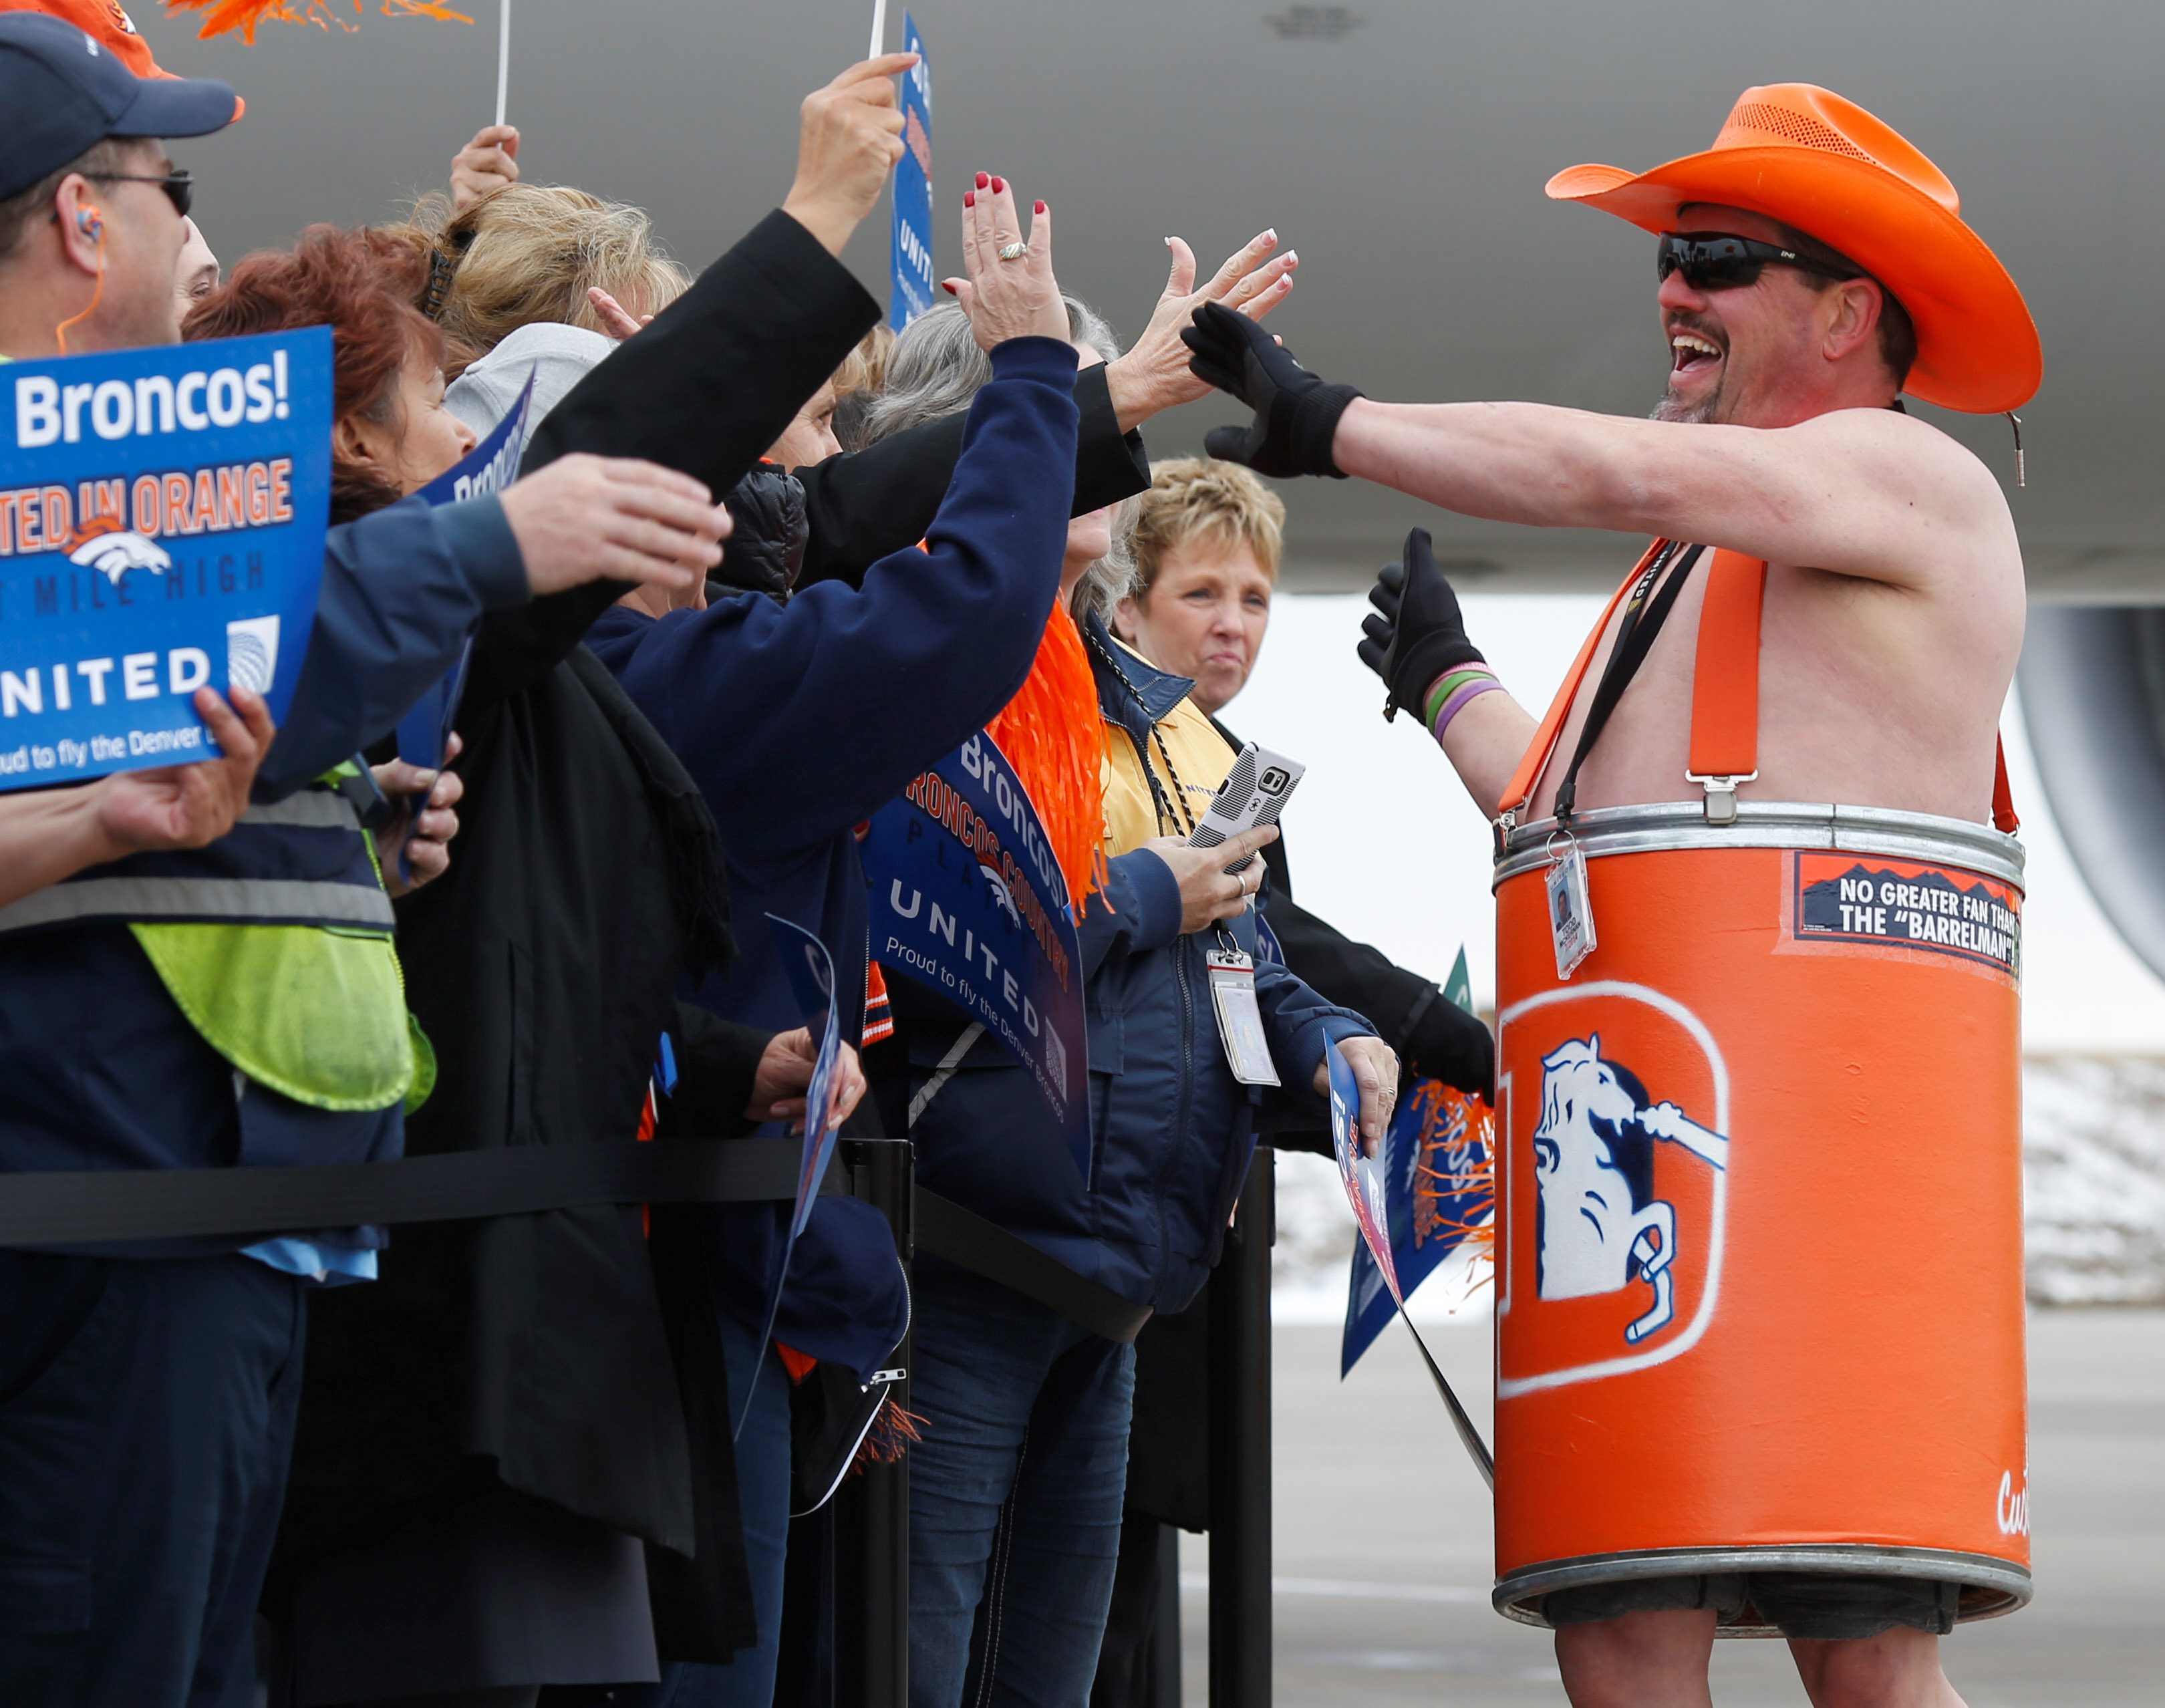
[179, 187]
[1714, 261]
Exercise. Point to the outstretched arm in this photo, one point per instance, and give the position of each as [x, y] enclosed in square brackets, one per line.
[1872, 494]
[714, 381]
[1865, 493]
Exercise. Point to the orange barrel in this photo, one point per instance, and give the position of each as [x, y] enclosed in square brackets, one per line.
[1759, 1286]
[1759, 1296]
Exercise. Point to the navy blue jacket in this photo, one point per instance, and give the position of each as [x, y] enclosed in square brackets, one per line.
[1170, 1130]
[100, 1069]
[799, 721]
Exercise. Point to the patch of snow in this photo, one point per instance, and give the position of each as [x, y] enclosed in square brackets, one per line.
[2094, 1179]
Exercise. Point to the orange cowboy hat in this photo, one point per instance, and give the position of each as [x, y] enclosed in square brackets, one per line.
[1803, 156]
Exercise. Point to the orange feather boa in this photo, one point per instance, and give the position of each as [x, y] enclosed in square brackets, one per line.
[1055, 740]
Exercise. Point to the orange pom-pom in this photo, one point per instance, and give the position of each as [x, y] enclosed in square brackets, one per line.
[223, 17]
[1458, 1167]
[1053, 737]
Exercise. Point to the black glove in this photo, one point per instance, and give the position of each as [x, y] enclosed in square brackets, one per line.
[1417, 632]
[1440, 1040]
[767, 534]
[1296, 413]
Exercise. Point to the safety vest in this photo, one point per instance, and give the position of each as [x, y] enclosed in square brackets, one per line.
[275, 942]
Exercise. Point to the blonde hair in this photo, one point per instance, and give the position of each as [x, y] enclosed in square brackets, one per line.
[1194, 501]
[864, 369]
[528, 253]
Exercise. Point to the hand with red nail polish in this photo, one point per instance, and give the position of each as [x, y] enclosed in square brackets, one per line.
[984, 183]
[1010, 292]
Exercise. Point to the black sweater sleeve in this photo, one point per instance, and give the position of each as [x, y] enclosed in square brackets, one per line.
[717, 1061]
[704, 390]
[864, 504]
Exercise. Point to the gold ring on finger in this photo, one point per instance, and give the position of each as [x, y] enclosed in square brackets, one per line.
[1013, 251]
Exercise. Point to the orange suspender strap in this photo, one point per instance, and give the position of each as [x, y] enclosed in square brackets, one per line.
[2003, 798]
[1520, 789]
[1724, 725]
[1725, 728]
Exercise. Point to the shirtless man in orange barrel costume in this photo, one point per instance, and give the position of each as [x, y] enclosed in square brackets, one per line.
[1813, 266]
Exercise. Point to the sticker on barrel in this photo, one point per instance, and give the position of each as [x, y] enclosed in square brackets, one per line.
[1906, 907]
[1614, 1102]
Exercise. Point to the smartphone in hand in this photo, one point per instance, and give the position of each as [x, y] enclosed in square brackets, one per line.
[1253, 792]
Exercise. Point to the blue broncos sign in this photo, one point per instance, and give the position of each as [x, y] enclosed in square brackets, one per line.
[162, 515]
[967, 899]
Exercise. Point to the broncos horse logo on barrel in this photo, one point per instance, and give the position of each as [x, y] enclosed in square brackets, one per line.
[1601, 1225]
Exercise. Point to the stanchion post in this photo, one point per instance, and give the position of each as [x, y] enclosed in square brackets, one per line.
[871, 1510]
[1240, 1448]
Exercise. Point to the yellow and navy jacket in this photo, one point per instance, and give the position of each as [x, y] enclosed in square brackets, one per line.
[1170, 1131]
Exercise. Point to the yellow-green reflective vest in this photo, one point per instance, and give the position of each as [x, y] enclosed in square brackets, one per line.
[275, 942]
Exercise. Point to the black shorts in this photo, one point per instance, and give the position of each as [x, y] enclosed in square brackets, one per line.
[1815, 1605]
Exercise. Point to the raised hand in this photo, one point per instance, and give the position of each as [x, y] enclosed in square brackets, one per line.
[487, 163]
[1010, 292]
[1155, 374]
[189, 806]
[849, 138]
[1416, 632]
[586, 518]
[617, 322]
[1296, 413]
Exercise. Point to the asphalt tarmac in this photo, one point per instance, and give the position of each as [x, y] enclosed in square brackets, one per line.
[1384, 1541]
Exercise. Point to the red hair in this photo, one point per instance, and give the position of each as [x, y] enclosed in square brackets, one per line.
[363, 284]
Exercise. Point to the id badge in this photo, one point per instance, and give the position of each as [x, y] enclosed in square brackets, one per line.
[1571, 910]
[1240, 1020]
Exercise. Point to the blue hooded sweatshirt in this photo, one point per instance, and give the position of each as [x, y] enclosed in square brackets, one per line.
[799, 721]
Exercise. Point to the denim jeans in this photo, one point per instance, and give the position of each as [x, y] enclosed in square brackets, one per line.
[1014, 1496]
[763, 1494]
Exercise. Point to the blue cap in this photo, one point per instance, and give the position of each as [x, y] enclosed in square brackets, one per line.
[64, 93]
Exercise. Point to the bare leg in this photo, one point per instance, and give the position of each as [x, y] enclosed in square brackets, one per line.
[1638, 1660]
[1897, 1668]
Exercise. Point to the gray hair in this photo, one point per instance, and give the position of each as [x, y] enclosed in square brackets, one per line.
[936, 368]
[1114, 577]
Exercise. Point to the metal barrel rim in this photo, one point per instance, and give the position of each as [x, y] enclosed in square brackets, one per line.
[1659, 827]
[1991, 1587]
